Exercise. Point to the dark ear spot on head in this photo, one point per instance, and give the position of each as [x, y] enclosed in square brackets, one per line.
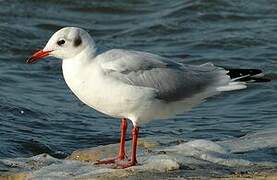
[77, 41]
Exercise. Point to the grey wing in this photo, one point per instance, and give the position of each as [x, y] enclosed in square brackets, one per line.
[170, 80]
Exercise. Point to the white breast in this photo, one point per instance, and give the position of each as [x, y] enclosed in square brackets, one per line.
[103, 94]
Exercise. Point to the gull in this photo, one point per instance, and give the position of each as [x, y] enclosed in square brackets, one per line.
[135, 85]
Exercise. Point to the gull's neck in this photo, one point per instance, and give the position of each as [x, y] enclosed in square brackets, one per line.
[78, 62]
[73, 68]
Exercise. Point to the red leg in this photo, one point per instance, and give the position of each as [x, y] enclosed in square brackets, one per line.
[121, 153]
[133, 161]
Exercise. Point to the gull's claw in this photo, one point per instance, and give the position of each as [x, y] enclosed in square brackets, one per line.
[112, 160]
[125, 165]
[107, 161]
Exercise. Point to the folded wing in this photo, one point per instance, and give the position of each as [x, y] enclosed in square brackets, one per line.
[171, 81]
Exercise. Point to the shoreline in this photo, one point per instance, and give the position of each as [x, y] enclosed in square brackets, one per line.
[159, 157]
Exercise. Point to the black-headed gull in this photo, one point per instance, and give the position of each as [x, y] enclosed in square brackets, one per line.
[135, 85]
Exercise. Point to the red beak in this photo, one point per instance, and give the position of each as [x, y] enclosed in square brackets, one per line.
[37, 56]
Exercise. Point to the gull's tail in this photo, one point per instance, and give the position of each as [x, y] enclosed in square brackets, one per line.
[247, 75]
[240, 77]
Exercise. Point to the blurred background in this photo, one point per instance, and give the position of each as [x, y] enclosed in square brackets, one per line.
[39, 114]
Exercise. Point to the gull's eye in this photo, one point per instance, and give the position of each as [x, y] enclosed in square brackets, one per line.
[61, 42]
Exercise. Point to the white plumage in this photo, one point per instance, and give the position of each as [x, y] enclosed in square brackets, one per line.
[136, 85]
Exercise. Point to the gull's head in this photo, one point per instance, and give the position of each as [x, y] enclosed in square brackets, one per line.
[65, 44]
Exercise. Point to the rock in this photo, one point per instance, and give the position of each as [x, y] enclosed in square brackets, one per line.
[95, 153]
[162, 163]
[148, 143]
[16, 176]
[158, 157]
[109, 151]
[260, 176]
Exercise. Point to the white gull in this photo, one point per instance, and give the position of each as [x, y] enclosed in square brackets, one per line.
[135, 85]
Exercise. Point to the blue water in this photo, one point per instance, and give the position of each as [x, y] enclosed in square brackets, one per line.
[39, 114]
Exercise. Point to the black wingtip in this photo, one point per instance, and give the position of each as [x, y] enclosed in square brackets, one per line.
[247, 75]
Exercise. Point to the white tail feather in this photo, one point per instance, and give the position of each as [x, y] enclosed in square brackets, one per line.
[232, 86]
